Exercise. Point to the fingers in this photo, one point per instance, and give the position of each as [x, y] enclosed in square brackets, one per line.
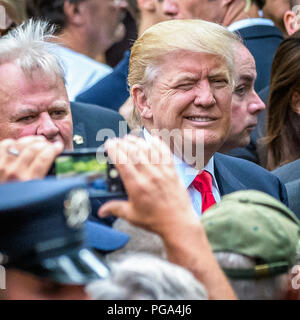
[118, 208]
[35, 157]
[43, 161]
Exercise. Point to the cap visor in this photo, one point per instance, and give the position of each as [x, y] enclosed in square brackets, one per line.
[101, 237]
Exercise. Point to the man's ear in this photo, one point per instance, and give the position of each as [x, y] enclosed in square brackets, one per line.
[74, 12]
[295, 103]
[141, 102]
[226, 3]
[290, 22]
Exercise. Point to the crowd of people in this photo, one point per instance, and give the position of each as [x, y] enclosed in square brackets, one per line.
[200, 118]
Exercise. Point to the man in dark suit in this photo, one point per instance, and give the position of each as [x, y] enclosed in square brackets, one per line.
[34, 102]
[186, 100]
[89, 119]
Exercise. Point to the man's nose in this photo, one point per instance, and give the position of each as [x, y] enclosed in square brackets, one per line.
[47, 127]
[170, 8]
[204, 96]
[257, 105]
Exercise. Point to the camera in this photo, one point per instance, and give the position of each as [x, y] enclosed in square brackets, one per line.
[93, 164]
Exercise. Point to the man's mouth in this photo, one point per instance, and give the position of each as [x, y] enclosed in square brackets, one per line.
[200, 119]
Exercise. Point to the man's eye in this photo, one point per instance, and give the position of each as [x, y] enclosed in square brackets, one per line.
[58, 113]
[185, 86]
[240, 91]
[26, 119]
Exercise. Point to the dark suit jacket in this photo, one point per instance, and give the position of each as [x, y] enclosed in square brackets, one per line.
[233, 174]
[289, 174]
[111, 91]
[88, 119]
[262, 41]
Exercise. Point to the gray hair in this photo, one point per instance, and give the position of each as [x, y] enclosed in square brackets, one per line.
[29, 46]
[141, 241]
[252, 289]
[145, 277]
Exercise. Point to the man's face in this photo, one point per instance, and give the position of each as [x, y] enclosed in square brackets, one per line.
[246, 104]
[36, 105]
[104, 21]
[24, 286]
[191, 93]
[209, 10]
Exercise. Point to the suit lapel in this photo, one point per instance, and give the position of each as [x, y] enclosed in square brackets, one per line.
[227, 182]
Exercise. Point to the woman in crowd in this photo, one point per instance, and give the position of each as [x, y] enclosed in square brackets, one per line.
[283, 124]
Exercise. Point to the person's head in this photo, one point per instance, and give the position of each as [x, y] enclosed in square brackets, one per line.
[246, 103]
[146, 13]
[146, 277]
[181, 78]
[260, 246]
[33, 98]
[220, 11]
[15, 13]
[291, 17]
[275, 10]
[282, 138]
[98, 21]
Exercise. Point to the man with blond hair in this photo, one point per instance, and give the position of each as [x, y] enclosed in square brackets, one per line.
[181, 80]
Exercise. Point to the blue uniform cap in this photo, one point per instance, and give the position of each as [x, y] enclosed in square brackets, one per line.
[44, 230]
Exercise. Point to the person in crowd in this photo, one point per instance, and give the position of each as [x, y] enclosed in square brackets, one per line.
[282, 134]
[112, 91]
[242, 17]
[245, 105]
[260, 247]
[257, 253]
[86, 29]
[195, 107]
[146, 277]
[289, 174]
[171, 216]
[44, 246]
[292, 24]
[275, 10]
[33, 99]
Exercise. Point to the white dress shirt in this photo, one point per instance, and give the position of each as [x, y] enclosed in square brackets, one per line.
[187, 174]
[249, 22]
[81, 72]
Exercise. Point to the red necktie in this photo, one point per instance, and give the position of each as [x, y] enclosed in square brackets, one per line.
[203, 183]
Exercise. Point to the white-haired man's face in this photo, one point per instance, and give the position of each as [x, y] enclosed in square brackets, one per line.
[34, 105]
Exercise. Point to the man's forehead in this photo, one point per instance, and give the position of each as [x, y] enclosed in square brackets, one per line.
[245, 63]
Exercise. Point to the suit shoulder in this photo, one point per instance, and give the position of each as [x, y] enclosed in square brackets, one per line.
[241, 165]
[94, 111]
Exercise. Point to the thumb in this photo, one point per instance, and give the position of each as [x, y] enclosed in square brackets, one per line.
[119, 208]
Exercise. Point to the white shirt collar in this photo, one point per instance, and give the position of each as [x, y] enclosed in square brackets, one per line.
[249, 22]
[187, 173]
